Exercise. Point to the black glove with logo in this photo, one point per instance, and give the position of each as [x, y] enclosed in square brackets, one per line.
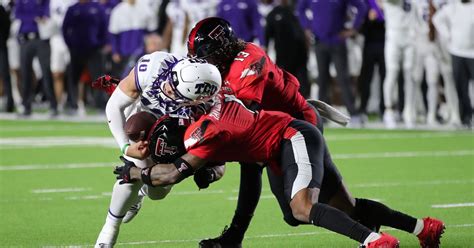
[123, 172]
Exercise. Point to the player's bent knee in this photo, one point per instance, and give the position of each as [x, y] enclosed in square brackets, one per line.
[158, 193]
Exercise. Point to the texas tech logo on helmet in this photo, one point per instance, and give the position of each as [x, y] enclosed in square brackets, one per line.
[216, 32]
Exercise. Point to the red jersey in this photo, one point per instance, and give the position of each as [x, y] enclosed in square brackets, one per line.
[231, 132]
[253, 76]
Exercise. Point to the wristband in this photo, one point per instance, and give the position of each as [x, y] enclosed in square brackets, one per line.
[146, 176]
[124, 149]
[183, 167]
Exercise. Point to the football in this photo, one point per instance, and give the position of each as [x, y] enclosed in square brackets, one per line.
[139, 125]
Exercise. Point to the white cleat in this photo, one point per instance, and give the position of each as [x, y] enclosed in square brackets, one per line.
[107, 238]
[133, 211]
[389, 119]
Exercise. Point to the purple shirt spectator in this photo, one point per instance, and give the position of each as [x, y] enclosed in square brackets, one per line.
[375, 6]
[244, 18]
[85, 27]
[27, 11]
[329, 17]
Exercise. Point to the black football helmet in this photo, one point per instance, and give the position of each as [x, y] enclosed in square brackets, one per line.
[211, 39]
[165, 140]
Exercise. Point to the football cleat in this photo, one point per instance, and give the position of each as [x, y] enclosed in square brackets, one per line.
[431, 234]
[385, 241]
[226, 240]
[133, 211]
[389, 119]
[107, 238]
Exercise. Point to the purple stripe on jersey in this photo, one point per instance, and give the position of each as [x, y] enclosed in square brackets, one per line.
[137, 82]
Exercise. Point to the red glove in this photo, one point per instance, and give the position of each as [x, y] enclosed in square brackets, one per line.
[106, 83]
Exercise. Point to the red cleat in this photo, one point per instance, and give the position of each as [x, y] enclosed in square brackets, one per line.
[385, 241]
[431, 234]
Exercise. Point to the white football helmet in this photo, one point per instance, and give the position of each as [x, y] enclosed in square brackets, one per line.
[195, 80]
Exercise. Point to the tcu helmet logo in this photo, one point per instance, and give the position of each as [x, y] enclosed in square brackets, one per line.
[205, 89]
[162, 148]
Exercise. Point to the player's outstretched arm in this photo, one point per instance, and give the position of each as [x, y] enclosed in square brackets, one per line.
[124, 96]
[160, 174]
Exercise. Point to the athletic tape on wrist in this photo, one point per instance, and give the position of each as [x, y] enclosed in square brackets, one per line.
[146, 176]
[124, 149]
[183, 167]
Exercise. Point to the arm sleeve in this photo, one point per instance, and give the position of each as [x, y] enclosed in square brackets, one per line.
[114, 110]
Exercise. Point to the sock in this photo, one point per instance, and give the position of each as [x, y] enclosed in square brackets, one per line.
[418, 227]
[337, 221]
[374, 214]
[372, 237]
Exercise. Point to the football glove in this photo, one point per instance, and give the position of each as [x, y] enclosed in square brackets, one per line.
[204, 176]
[123, 172]
[106, 83]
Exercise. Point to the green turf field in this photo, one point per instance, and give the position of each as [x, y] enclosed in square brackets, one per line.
[56, 179]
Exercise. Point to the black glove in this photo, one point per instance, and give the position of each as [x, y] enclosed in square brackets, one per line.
[204, 176]
[123, 172]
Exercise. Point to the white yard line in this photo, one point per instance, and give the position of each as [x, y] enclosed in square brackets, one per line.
[57, 166]
[404, 154]
[64, 190]
[34, 142]
[391, 136]
[455, 153]
[262, 236]
[42, 128]
[454, 205]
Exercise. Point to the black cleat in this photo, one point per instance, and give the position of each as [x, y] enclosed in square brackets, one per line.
[228, 239]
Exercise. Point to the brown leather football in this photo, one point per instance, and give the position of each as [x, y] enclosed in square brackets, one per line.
[139, 125]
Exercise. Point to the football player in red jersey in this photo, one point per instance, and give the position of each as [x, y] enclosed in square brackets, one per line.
[304, 173]
[259, 84]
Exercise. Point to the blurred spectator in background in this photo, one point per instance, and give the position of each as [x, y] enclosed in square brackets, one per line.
[330, 36]
[182, 15]
[455, 23]
[129, 23]
[291, 48]
[244, 18]
[373, 30]
[399, 49]
[84, 31]
[34, 34]
[430, 57]
[60, 57]
[5, 24]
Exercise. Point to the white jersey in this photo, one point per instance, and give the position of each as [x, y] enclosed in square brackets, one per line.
[131, 17]
[422, 12]
[57, 10]
[399, 18]
[184, 14]
[150, 71]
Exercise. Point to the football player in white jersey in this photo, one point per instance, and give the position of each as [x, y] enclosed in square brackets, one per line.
[183, 15]
[142, 90]
[398, 50]
[60, 57]
[433, 58]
